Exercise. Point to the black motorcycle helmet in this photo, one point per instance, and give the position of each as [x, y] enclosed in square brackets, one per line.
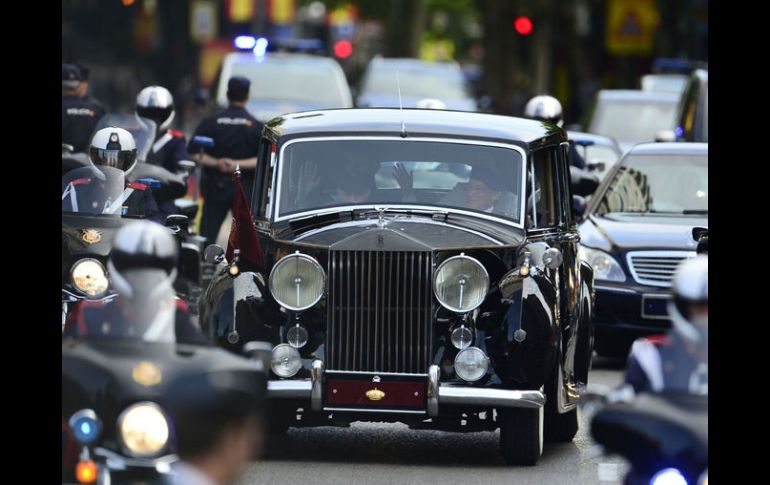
[113, 147]
[157, 104]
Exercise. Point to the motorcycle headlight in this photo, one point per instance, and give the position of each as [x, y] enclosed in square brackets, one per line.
[143, 429]
[297, 282]
[89, 277]
[668, 476]
[605, 266]
[461, 283]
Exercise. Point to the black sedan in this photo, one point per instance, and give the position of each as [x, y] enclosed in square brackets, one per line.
[416, 266]
[638, 227]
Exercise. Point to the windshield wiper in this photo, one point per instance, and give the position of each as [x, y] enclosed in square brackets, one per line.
[695, 211]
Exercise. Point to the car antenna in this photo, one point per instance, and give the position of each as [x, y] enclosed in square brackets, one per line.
[400, 106]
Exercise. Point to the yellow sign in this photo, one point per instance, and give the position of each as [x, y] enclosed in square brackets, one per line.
[282, 11]
[146, 373]
[375, 394]
[437, 50]
[240, 10]
[631, 26]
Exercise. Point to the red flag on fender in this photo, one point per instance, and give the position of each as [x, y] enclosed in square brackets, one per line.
[243, 234]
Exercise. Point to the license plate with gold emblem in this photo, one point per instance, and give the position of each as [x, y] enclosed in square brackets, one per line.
[364, 391]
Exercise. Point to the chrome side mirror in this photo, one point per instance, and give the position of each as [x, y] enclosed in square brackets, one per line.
[552, 258]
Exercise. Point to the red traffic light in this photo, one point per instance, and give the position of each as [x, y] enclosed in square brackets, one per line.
[523, 25]
[343, 49]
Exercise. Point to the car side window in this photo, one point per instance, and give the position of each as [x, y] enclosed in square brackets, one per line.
[542, 199]
[565, 180]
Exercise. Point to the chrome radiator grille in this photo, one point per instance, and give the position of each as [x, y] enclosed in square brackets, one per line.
[656, 268]
[379, 311]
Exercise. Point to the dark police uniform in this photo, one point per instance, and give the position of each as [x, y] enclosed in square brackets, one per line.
[90, 196]
[667, 365]
[105, 319]
[236, 135]
[574, 157]
[168, 149]
[79, 117]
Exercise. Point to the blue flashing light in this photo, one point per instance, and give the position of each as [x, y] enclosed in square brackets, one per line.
[246, 42]
[87, 430]
[679, 132]
[668, 476]
[260, 47]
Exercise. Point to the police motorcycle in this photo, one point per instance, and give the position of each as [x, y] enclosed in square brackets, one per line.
[663, 437]
[115, 382]
[91, 215]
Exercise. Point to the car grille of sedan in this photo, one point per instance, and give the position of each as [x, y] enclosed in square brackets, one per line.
[656, 268]
[380, 307]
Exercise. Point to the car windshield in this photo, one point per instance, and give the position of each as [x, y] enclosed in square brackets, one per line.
[293, 81]
[318, 174]
[142, 129]
[429, 81]
[659, 184]
[613, 118]
[93, 190]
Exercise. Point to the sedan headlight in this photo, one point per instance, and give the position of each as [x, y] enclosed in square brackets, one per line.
[461, 283]
[89, 276]
[297, 282]
[143, 429]
[605, 266]
[471, 364]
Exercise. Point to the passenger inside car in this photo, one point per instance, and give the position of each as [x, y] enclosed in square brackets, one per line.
[485, 191]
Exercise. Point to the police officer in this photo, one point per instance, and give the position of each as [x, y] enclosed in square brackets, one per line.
[236, 137]
[677, 362]
[169, 146]
[547, 108]
[218, 421]
[142, 267]
[79, 115]
[115, 147]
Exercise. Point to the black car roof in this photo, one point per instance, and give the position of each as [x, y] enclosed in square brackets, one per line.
[418, 122]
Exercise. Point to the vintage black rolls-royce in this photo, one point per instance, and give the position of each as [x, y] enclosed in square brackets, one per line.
[417, 266]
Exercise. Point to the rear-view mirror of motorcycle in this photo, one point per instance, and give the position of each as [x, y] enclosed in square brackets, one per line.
[260, 351]
[583, 183]
[178, 222]
[213, 254]
[65, 147]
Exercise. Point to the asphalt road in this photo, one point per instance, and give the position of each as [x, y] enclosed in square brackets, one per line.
[385, 453]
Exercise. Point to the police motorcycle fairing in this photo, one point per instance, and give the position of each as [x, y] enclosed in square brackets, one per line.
[663, 437]
[115, 376]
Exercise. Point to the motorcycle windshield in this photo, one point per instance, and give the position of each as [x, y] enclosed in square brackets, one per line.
[142, 129]
[94, 190]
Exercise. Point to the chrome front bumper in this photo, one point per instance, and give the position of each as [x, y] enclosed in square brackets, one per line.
[438, 393]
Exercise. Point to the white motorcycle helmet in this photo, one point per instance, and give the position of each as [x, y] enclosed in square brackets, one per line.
[113, 147]
[545, 108]
[157, 104]
[688, 309]
[142, 269]
[430, 103]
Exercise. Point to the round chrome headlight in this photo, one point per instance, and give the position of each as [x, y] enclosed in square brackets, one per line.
[461, 337]
[461, 283]
[285, 361]
[297, 282]
[471, 364]
[143, 429]
[297, 336]
[89, 277]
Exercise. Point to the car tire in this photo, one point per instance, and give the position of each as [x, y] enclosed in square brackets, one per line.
[557, 427]
[521, 435]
